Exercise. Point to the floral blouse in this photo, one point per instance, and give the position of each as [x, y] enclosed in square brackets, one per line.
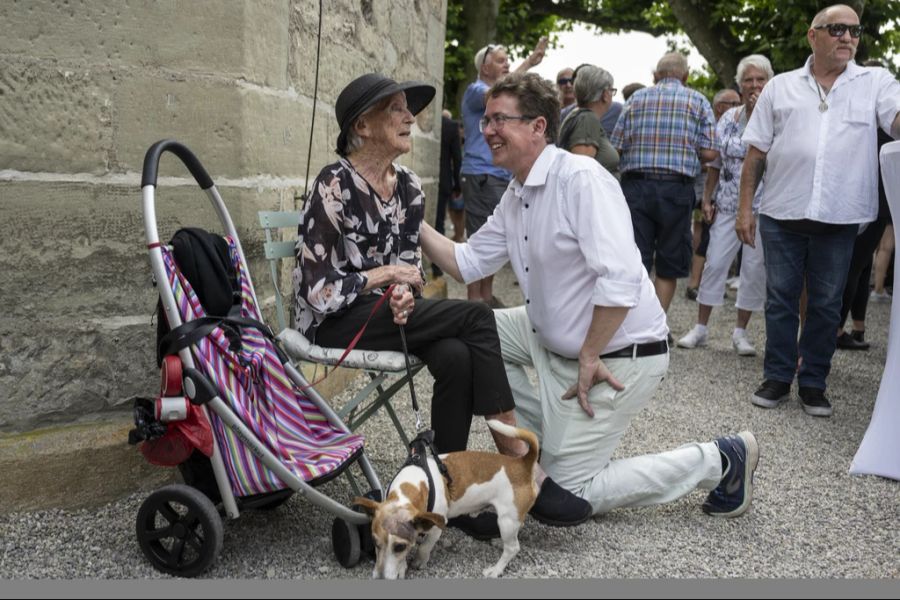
[731, 160]
[347, 229]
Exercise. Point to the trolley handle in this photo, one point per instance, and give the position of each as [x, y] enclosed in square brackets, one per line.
[151, 163]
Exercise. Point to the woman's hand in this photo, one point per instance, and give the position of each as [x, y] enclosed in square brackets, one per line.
[709, 211]
[409, 275]
[402, 303]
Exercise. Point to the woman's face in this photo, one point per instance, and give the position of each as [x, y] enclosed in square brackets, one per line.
[752, 82]
[388, 128]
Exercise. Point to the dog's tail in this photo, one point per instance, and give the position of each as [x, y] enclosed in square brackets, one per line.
[518, 433]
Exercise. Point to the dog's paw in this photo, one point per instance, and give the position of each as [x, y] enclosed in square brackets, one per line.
[493, 572]
[418, 562]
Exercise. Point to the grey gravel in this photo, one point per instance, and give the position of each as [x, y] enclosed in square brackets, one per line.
[809, 518]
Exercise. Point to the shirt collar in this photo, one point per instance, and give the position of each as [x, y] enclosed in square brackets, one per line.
[537, 176]
[852, 71]
[669, 81]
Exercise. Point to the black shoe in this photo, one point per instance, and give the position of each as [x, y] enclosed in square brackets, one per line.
[771, 393]
[559, 507]
[814, 402]
[481, 527]
[848, 341]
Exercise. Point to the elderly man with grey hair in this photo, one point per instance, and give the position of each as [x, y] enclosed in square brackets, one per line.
[582, 131]
[818, 125]
[664, 133]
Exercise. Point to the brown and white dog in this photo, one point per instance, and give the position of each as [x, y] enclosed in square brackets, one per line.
[479, 480]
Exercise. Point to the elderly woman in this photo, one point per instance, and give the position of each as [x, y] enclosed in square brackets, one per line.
[582, 132]
[360, 233]
[720, 202]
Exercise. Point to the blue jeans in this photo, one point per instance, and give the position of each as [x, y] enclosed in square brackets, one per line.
[822, 260]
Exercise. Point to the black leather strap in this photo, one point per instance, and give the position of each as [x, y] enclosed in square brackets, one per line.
[639, 350]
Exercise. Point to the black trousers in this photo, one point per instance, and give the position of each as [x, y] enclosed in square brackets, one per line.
[457, 340]
[856, 292]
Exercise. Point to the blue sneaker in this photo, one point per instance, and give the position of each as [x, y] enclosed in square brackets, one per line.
[733, 495]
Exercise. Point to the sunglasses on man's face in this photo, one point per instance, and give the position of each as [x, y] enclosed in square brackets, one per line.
[837, 30]
[565, 80]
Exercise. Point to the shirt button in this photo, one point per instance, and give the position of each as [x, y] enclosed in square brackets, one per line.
[533, 330]
[526, 206]
[526, 269]
[526, 238]
[527, 301]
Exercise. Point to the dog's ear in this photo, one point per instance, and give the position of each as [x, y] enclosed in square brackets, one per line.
[367, 504]
[424, 521]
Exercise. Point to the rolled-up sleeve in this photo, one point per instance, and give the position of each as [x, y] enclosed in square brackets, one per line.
[597, 213]
[760, 131]
[486, 251]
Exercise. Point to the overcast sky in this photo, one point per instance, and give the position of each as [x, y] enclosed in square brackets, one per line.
[629, 57]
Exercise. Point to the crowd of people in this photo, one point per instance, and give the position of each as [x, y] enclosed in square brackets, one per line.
[591, 202]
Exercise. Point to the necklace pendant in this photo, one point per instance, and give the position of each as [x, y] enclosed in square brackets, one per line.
[823, 106]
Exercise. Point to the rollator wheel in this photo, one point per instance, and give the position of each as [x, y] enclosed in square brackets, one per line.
[179, 530]
[345, 541]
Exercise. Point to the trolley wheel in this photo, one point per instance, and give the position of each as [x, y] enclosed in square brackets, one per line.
[345, 541]
[179, 530]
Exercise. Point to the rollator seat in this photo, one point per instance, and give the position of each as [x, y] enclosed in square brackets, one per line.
[299, 347]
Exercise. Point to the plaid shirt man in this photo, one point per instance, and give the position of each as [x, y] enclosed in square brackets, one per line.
[662, 128]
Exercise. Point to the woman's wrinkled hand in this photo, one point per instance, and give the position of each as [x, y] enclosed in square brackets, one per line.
[402, 303]
[408, 275]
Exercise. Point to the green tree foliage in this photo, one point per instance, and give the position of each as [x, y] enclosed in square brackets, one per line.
[723, 31]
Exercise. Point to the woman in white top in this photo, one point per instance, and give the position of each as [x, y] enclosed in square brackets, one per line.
[720, 202]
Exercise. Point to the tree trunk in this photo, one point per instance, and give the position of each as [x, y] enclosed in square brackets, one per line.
[481, 30]
[713, 40]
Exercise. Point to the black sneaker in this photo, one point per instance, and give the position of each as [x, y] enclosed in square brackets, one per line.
[559, 507]
[771, 393]
[814, 402]
[482, 526]
[733, 495]
[852, 341]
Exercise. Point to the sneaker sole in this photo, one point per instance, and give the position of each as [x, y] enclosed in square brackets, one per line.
[554, 523]
[767, 403]
[817, 411]
[744, 352]
[685, 346]
[749, 468]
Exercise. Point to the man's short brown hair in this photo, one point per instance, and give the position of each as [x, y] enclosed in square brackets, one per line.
[536, 96]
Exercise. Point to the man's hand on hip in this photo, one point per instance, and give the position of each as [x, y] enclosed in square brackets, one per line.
[591, 372]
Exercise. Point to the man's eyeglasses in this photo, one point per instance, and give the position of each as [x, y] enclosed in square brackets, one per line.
[613, 91]
[837, 30]
[565, 80]
[499, 120]
[729, 103]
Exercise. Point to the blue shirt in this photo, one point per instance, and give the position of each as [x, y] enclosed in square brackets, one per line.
[477, 159]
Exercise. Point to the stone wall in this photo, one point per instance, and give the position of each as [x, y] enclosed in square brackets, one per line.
[86, 87]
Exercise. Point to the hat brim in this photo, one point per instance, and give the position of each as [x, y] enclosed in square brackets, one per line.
[418, 96]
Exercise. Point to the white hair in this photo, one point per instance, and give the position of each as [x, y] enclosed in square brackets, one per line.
[481, 55]
[754, 60]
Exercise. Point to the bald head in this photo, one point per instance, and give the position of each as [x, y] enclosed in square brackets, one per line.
[822, 17]
[672, 64]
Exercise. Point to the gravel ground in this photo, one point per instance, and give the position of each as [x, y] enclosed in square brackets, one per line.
[809, 517]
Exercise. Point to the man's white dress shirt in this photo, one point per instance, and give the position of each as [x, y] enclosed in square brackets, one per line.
[823, 166]
[567, 233]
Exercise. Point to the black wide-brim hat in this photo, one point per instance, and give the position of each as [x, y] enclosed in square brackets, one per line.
[366, 91]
